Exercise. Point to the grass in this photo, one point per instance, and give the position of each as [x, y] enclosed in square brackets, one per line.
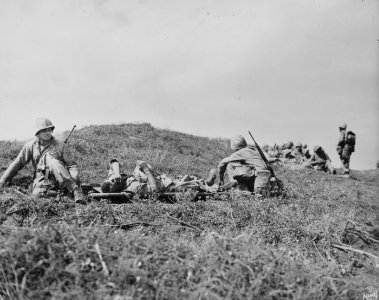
[229, 247]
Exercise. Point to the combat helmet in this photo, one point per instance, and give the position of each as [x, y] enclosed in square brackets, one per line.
[343, 126]
[237, 142]
[41, 124]
[298, 145]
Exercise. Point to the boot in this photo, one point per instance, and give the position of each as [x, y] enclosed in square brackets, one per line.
[79, 196]
[211, 177]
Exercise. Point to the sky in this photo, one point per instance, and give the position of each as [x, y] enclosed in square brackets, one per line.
[285, 70]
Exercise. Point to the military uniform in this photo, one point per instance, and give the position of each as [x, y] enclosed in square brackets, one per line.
[246, 167]
[53, 163]
[144, 181]
[321, 161]
[344, 149]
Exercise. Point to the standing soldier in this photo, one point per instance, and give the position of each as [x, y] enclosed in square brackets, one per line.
[345, 147]
[246, 167]
[53, 163]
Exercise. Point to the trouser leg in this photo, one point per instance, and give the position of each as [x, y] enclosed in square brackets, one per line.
[41, 185]
[345, 160]
[262, 183]
[60, 173]
[142, 189]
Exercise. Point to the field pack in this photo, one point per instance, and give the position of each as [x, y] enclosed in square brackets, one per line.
[350, 139]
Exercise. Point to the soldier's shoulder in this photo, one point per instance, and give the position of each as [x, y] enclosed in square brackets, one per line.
[30, 143]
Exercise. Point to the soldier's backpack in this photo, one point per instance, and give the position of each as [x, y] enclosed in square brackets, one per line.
[350, 140]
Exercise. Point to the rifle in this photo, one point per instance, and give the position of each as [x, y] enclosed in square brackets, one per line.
[280, 183]
[117, 197]
[66, 139]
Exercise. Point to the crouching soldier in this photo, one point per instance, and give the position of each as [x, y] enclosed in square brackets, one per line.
[144, 181]
[320, 160]
[246, 168]
[53, 163]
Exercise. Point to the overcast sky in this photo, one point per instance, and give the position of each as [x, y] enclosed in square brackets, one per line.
[285, 70]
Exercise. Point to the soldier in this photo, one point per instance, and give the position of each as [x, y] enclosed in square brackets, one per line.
[298, 151]
[305, 150]
[320, 160]
[53, 163]
[269, 154]
[144, 181]
[288, 147]
[345, 147]
[246, 168]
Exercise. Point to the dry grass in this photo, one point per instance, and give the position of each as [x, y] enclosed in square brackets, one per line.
[231, 247]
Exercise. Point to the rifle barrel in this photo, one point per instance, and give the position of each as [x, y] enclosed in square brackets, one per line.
[65, 141]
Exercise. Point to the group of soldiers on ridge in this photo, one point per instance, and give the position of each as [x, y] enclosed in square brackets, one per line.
[247, 168]
[298, 156]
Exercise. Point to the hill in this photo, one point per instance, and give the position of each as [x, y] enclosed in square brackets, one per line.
[230, 247]
[168, 151]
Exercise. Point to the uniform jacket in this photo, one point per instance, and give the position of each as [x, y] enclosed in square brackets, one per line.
[245, 156]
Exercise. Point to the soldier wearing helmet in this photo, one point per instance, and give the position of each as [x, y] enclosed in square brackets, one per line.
[53, 163]
[245, 168]
[321, 161]
[345, 147]
[297, 155]
[305, 151]
[287, 152]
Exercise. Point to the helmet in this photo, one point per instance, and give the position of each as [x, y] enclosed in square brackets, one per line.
[316, 147]
[265, 147]
[289, 145]
[41, 124]
[298, 145]
[343, 126]
[237, 142]
[305, 146]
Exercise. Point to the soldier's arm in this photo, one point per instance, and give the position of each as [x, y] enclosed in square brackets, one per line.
[21, 160]
[313, 161]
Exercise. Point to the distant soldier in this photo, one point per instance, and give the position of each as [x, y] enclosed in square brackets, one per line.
[345, 147]
[246, 168]
[297, 151]
[296, 156]
[144, 181]
[320, 160]
[288, 147]
[274, 151]
[53, 163]
[269, 154]
[305, 151]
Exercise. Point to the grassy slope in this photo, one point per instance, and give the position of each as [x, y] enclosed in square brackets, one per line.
[239, 247]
